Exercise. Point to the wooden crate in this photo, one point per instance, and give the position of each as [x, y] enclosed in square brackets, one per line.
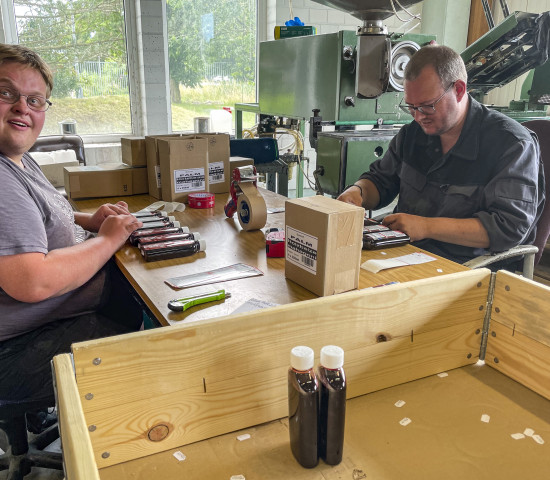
[130, 402]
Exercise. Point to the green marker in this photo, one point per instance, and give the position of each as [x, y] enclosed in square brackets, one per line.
[182, 304]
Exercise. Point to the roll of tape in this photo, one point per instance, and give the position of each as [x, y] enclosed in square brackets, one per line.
[201, 200]
[251, 208]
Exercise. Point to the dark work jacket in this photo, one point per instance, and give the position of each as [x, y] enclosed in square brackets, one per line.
[493, 173]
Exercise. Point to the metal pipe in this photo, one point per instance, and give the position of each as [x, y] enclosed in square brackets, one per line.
[488, 14]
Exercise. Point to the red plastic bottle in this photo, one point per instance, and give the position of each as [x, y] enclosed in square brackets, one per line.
[303, 407]
[332, 381]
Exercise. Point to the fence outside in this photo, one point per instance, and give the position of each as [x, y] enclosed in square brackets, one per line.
[101, 79]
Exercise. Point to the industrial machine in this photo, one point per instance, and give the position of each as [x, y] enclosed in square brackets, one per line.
[348, 79]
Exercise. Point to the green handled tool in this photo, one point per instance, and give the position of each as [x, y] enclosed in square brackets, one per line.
[182, 304]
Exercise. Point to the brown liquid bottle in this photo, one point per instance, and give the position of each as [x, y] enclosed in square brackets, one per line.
[332, 384]
[303, 407]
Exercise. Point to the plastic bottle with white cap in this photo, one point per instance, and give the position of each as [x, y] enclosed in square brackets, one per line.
[303, 407]
[332, 410]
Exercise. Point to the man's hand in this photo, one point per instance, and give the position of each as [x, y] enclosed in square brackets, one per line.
[351, 195]
[118, 227]
[414, 226]
[93, 223]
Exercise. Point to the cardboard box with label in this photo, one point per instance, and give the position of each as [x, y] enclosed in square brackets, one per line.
[323, 244]
[133, 151]
[219, 171]
[106, 180]
[153, 163]
[183, 167]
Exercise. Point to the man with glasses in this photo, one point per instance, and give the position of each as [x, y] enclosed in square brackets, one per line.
[469, 179]
[53, 290]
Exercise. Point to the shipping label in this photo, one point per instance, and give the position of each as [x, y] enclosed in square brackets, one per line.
[189, 180]
[216, 172]
[301, 249]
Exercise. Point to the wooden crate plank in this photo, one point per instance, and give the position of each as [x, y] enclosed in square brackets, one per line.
[239, 402]
[522, 358]
[128, 368]
[522, 305]
[77, 448]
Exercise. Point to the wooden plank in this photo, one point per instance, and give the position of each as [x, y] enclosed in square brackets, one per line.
[122, 430]
[78, 455]
[520, 357]
[522, 305]
[161, 375]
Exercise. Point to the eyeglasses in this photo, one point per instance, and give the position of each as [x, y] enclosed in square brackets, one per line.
[35, 102]
[424, 109]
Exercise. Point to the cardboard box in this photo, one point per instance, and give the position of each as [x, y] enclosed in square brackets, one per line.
[133, 151]
[53, 163]
[219, 170]
[236, 162]
[153, 163]
[323, 244]
[183, 167]
[106, 180]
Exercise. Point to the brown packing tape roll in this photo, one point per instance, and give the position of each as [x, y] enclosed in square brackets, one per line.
[251, 208]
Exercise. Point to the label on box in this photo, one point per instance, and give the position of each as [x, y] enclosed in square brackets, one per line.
[301, 249]
[157, 175]
[189, 180]
[216, 172]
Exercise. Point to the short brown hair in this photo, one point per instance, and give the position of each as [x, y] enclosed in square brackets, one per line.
[26, 56]
[448, 64]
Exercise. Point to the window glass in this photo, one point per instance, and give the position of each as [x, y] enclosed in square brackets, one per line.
[83, 41]
[212, 54]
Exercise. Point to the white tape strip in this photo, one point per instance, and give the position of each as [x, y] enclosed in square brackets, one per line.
[179, 456]
[538, 439]
[168, 207]
[399, 403]
[237, 477]
[443, 374]
[244, 436]
[517, 436]
[528, 432]
[485, 418]
[405, 421]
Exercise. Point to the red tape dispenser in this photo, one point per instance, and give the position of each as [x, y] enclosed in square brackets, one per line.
[275, 242]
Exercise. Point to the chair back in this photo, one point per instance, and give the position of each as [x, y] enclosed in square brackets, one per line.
[51, 143]
[542, 129]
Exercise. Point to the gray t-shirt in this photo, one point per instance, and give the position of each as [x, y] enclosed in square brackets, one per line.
[35, 217]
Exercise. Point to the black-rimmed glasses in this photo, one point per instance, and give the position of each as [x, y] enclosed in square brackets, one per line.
[424, 109]
[35, 102]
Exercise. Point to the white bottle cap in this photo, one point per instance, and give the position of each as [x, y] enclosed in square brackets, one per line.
[196, 235]
[202, 245]
[162, 213]
[301, 358]
[171, 218]
[177, 224]
[184, 229]
[332, 357]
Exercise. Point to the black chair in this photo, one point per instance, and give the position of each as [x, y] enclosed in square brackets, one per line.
[22, 454]
[51, 143]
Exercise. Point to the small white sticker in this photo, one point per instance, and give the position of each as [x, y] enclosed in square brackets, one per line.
[399, 403]
[383, 253]
[538, 439]
[179, 456]
[405, 421]
[244, 436]
[439, 270]
[517, 436]
[528, 432]
[237, 477]
[485, 418]
[443, 374]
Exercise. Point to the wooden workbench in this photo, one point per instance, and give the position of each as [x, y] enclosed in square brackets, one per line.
[228, 244]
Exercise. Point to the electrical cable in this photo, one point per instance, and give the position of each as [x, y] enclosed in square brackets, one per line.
[404, 9]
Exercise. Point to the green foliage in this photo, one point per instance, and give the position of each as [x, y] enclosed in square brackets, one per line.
[192, 45]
